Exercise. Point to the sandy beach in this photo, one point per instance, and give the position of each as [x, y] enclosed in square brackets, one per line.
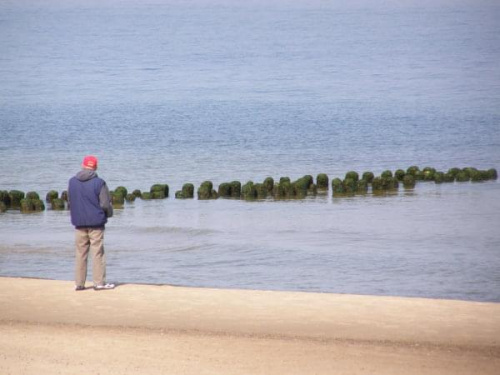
[48, 328]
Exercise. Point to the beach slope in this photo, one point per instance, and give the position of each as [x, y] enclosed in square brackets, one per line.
[46, 327]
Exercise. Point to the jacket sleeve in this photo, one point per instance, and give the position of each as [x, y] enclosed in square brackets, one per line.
[105, 201]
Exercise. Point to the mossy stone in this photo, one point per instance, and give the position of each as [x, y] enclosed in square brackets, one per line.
[462, 176]
[206, 191]
[322, 181]
[269, 185]
[51, 195]
[479, 175]
[352, 175]
[448, 177]
[362, 187]
[350, 185]
[248, 191]
[130, 197]
[454, 172]
[3, 207]
[179, 195]
[337, 187]
[413, 170]
[284, 189]
[122, 190]
[377, 184]
[27, 205]
[386, 174]
[146, 195]
[117, 199]
[15, 198]
[159, 191]
[261, 190]
[400, 174]
[137, 193]
[469, 171]
[32, 195]
[188, 190]
[5, 198]
[57, 204]
[368, 177]
[419, 175]
[409, 181]
[300, 187]
[285, 179]
[429, 173]
[492, 174]
[439, 177]
[235, 189]
[225, 190]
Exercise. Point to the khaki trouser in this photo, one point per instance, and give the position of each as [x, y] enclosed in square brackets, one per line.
[90, 239]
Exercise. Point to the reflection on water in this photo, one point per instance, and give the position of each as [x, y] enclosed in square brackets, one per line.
[436, 241]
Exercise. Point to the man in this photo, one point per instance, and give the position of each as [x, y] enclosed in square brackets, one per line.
[90, 206]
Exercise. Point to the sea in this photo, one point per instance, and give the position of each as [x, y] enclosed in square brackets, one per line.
[171, 92]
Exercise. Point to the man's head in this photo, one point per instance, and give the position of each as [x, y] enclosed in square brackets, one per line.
[90, 162]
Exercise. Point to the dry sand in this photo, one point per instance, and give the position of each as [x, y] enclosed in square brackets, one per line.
[48, 328]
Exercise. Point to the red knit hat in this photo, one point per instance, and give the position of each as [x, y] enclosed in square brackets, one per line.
[90, 162]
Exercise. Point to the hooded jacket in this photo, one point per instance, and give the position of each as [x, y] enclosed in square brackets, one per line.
[89, 200]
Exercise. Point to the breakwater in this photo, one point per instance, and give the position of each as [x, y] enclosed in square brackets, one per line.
[353, 183]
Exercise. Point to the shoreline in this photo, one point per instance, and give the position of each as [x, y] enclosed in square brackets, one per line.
[388, 334]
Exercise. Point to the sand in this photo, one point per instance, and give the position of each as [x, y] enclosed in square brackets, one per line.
[48, 328]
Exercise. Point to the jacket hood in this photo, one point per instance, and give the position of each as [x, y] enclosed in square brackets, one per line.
[86, 174]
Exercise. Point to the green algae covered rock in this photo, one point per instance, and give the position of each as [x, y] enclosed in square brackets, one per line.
[429, 173]
[146, 195]
[235, 189]
[51, 195]
[377, 184]
[57, 204]
[448, 177]
[159, 191]
[322, 181]
[137, 193]
[285, 179]
[225, 190]
[121, 190]
[368, 177]
[3, 207]
[15, 198]
[117, 199]
[188, 190]
[32, 195]
[269, 185]
[400, 174]
[454, 172]
[462, 176]
[337, 187]
[362, 187]
[130, 197]
[384, 183]
[261, 190]
[439, 177]
[206, 191]
[350, 186]
[5, 198]
[419, 175]
[248, 191]
[492, 174]
[413, 170]
[409, 181]
[27, 205]
[284, 189]
[386, 174]
[352, 175]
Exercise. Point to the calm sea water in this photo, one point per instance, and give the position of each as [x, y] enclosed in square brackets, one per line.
[176, 92]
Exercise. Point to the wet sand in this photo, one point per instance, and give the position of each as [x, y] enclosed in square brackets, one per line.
[46, 327]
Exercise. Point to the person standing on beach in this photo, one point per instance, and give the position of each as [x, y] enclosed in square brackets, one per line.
[90, 207]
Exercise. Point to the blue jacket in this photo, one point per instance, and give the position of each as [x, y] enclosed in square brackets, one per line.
[89, 200]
